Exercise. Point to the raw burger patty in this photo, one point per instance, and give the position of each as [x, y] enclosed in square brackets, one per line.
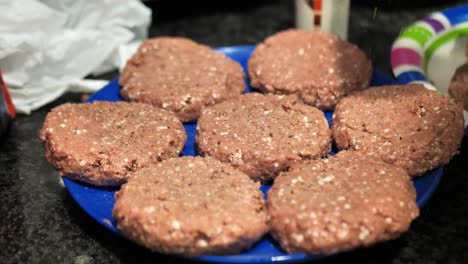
[409, 126]
[263, 134]
[191, 206]
[101, 142]
[337, 204]
[181, 76]
[317, 66]
[458, 87]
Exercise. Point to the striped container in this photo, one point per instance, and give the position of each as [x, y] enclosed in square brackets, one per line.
[430, 50]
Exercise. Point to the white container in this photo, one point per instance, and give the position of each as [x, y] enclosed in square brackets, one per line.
[327, 15]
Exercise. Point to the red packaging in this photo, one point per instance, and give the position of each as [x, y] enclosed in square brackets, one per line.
[7, 110]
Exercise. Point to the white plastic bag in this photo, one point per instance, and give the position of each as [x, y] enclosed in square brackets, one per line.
[47, 47]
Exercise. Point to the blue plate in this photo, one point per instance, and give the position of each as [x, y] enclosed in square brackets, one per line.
[98, 202]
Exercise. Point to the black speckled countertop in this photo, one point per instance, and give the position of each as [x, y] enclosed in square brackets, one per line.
[41, 223]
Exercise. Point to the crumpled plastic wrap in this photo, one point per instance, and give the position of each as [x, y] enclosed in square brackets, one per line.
[47, 47]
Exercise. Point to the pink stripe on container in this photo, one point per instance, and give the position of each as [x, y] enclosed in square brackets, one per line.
[405, 56]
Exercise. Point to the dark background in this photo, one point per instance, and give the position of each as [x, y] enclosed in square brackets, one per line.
[41, 223]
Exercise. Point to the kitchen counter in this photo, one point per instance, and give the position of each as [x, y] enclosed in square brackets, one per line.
[41, 223]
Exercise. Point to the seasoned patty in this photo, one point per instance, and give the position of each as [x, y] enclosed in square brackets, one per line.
[458, 87]
[337, 204]
[181, 76]
[318, 67]
[101, 142]
[191, 206]
[407, 125]
[263, 134]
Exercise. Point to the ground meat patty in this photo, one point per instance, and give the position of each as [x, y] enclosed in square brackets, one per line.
[191, 206]
[458, 87]
[101, 142]
[181, 76]
[408, 126]
[337, 204]
[317, 66]
[263, 134]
